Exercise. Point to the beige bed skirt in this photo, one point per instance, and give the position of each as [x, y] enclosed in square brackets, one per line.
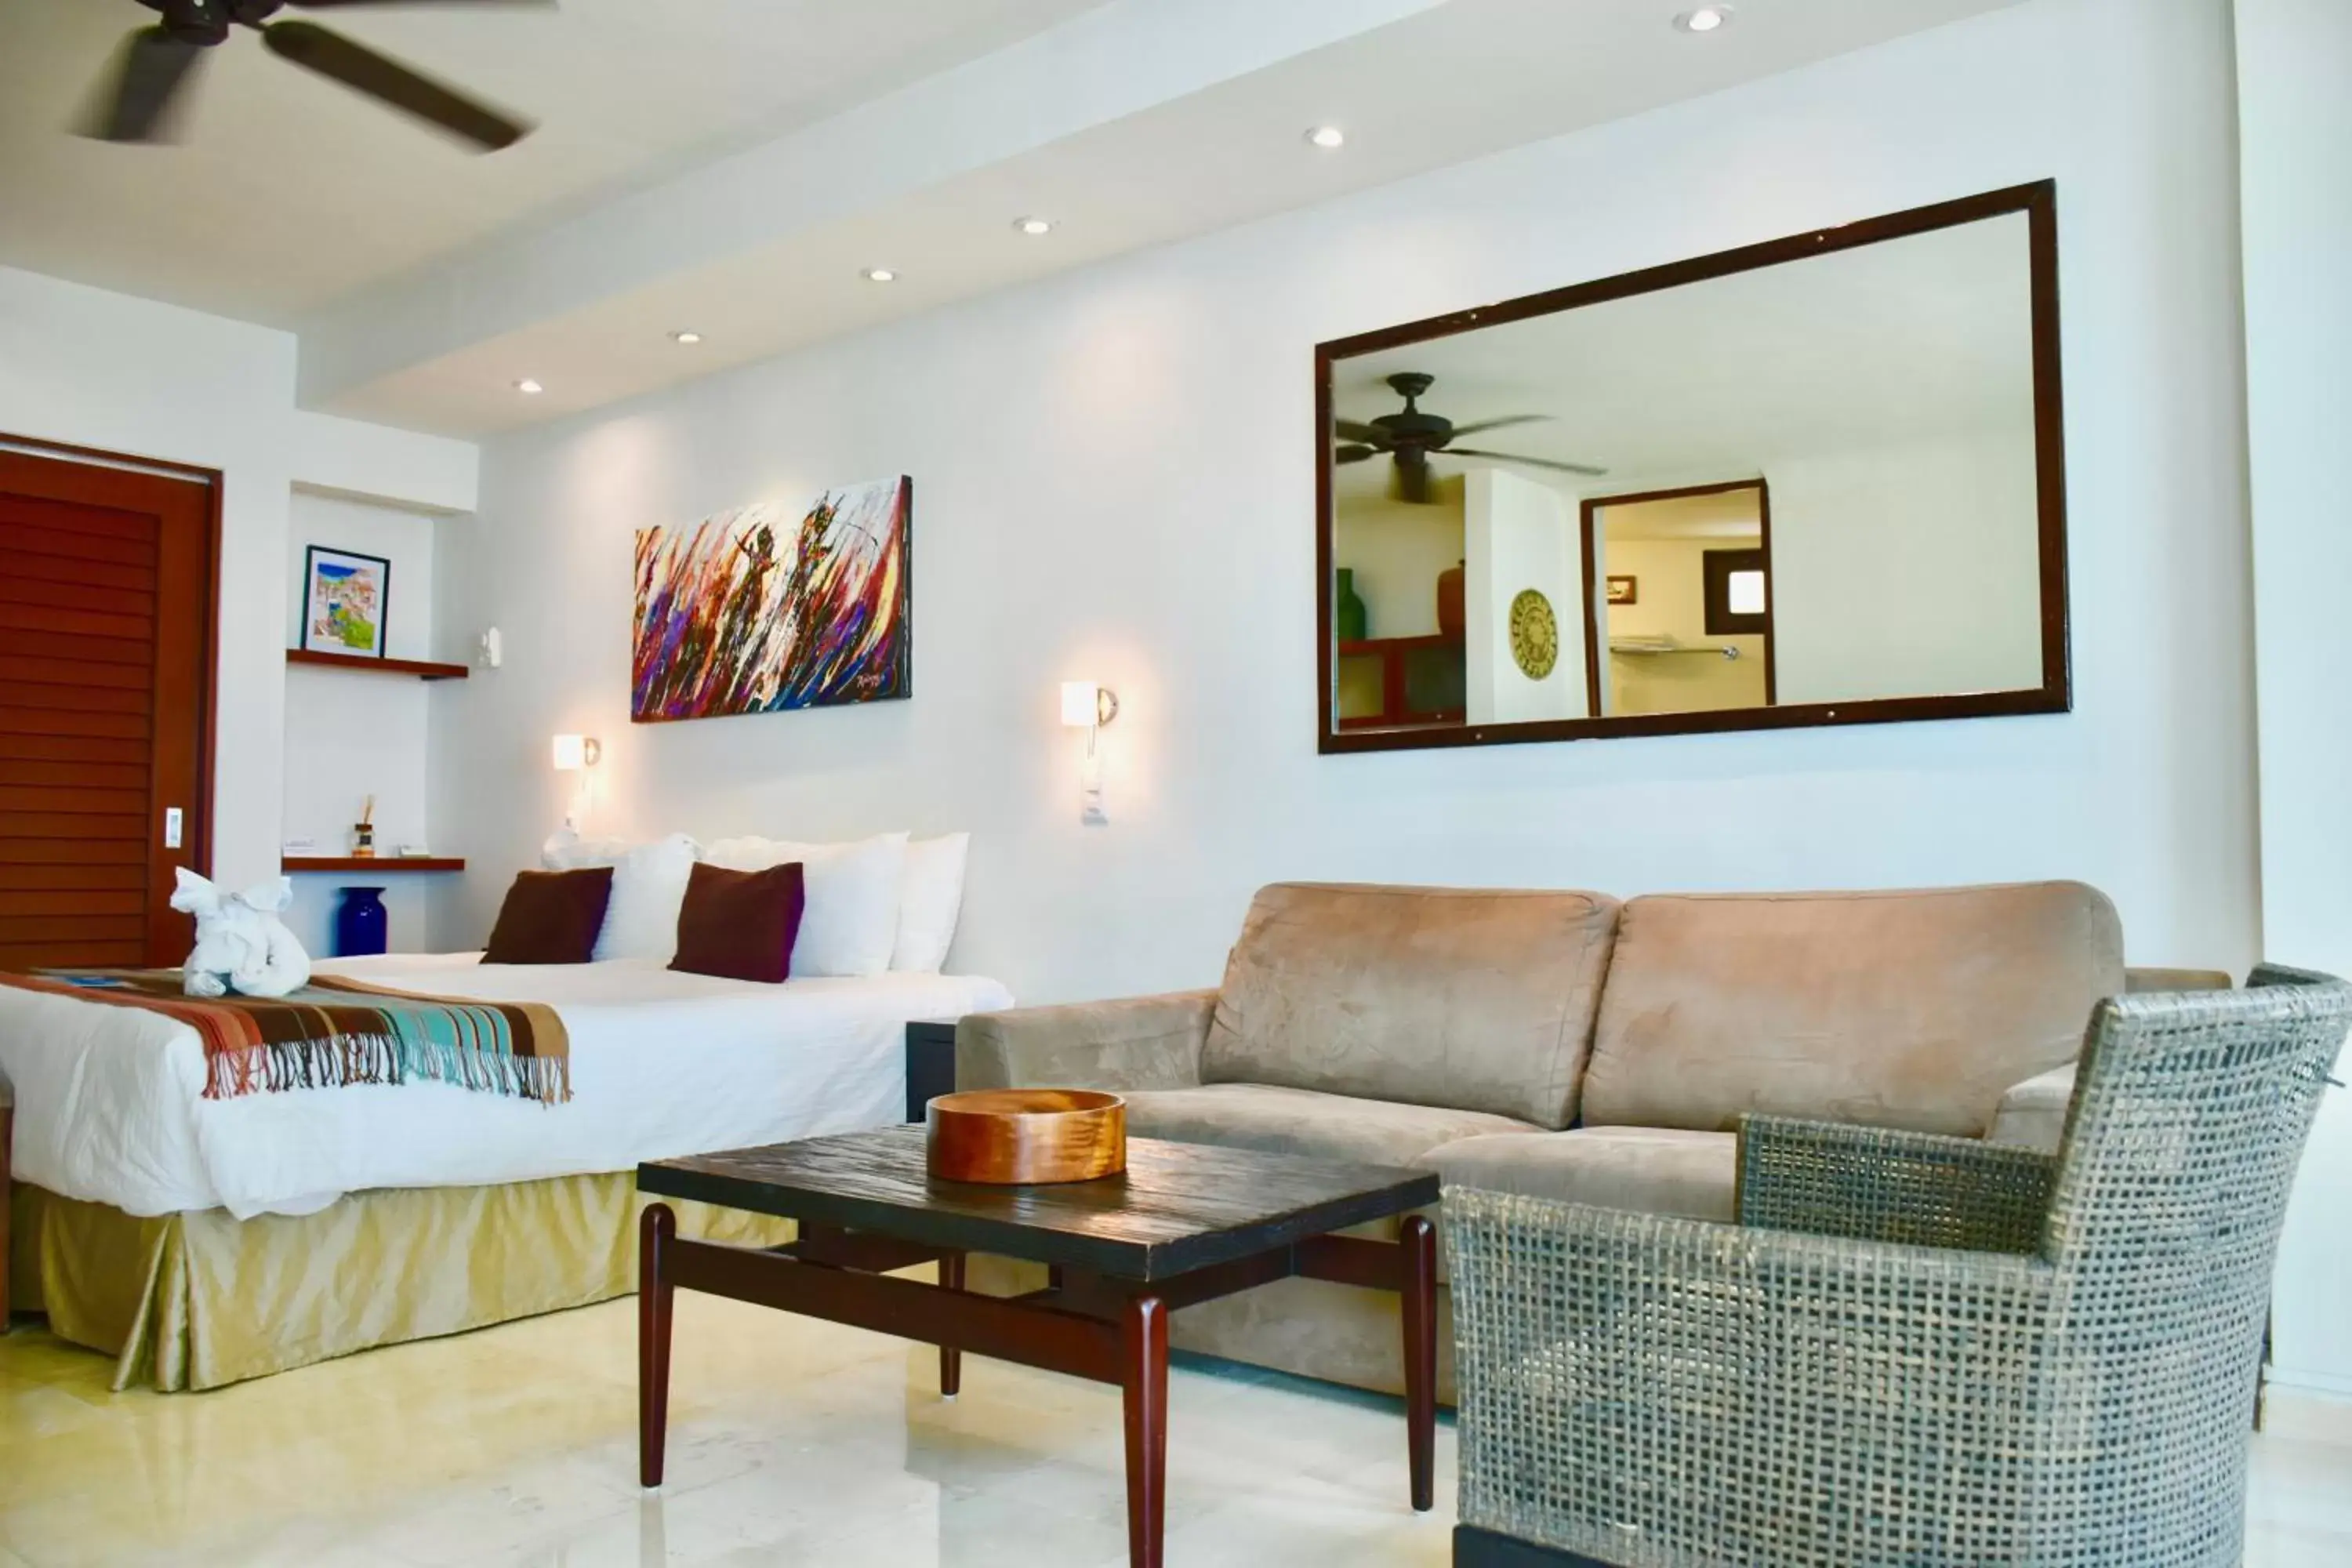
[196, 1300]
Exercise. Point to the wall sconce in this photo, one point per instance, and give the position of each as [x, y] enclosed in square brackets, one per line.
[577, 754]
[1086, 706]
[1089, 707]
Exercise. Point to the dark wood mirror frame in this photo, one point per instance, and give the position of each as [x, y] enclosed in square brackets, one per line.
[2038, 200]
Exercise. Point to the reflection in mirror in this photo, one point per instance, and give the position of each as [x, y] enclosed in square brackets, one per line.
[1702, 637]
[1816, 482]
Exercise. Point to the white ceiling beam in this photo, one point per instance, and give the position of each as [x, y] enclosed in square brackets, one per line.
[1118, 61]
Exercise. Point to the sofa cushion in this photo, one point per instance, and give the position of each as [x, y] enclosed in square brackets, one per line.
[1653, 1170]
[1302, 1122]
[2032, 1114]
[1915, 1010]
[1443, 996]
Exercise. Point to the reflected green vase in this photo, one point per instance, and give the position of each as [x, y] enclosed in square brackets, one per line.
[1348, 621]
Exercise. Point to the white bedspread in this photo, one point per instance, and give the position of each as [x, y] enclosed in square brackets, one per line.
[110, 1104]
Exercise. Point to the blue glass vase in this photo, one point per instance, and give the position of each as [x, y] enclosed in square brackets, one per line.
[360, 923]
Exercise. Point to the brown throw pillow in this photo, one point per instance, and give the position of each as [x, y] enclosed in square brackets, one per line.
[550, 917]
[740, 925]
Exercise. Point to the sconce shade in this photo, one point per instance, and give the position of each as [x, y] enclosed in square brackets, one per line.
[1078, 703]
[573, 752]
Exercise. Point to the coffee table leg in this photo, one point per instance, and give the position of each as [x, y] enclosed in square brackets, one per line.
[950, 1360]
[655, 1229]
[1419, 1244]
[1145, 1326]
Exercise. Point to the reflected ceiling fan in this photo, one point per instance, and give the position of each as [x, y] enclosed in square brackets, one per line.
[1412, 438]
[158, 63]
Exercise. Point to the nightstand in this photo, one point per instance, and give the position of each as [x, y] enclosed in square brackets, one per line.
[930, 1063]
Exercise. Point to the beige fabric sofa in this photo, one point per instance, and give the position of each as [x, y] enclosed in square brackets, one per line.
[1568, 1045]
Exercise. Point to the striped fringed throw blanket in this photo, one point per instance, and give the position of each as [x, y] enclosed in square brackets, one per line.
[338, 1031]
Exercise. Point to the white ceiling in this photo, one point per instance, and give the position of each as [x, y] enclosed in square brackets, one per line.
[287, 191]
[730, 164]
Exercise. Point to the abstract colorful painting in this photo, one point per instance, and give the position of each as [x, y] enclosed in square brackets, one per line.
[756, 610]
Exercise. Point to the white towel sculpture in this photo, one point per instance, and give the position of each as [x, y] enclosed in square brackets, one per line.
[241, 944]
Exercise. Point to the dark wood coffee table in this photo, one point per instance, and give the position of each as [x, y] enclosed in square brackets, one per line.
[1186, 1223]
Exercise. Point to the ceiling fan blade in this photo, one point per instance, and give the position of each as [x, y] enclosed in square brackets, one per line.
[1472, 429]
[1370, 434]
[1356, 454]
[1585, 469]
[153, 68]
[337, 57]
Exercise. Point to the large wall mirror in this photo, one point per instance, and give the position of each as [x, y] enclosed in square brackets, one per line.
[1813, 481]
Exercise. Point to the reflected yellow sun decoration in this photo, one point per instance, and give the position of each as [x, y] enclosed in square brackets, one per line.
[1535, 635]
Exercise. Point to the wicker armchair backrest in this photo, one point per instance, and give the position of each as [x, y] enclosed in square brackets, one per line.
[2188, 1120]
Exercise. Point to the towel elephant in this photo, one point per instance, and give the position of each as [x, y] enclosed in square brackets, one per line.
[241, 944]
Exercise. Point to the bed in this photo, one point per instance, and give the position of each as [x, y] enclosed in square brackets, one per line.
[205, 1241]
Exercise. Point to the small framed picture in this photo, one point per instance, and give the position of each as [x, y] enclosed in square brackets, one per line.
[343, 602]
[1624, 591]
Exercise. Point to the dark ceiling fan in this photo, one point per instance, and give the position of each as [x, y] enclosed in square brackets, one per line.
[158, 62]
[1412, 438]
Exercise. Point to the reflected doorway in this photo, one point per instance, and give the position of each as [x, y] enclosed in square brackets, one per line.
[1679, 582]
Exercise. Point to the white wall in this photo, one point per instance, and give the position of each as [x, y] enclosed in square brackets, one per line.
[1397, 549]
[1670, 600]
[1067, 524]
[401, 537]
[370, 462]
[1912, 571]
[1519, 535]
[350, 735]
[87, 367]
[92, 368]
[2295, 57]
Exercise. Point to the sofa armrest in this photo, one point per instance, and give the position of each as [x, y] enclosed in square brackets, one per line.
[1874, 1183]
[2032, 1114]
[2136, 979]
[1139, 1042]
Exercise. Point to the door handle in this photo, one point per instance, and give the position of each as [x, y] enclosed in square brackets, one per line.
[171, 827]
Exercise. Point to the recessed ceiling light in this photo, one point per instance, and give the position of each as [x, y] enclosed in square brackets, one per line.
[527, 386]
[1034, 225]
[1705, 19]
[688, 338]
[1328, 136]
[877, 275]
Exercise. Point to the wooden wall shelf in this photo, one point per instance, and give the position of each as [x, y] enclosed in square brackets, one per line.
[423, 670]
[1395, 655]
[345, 864]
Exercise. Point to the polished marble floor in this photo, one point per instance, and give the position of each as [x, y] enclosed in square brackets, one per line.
[792, 1443]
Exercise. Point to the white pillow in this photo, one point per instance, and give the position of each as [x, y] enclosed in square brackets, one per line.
[849, 923]
[928, 901]
[565, 850]
[648, 886]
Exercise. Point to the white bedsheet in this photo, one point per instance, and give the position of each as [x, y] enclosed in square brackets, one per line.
[110, 1107]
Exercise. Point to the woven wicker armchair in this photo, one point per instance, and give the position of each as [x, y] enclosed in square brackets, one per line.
[1911, 1350]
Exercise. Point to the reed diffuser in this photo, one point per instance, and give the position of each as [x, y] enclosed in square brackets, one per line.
[364, 831]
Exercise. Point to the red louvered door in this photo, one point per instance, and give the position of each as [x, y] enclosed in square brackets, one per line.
[106, 605]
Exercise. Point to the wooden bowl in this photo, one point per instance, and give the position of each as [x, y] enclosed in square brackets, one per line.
[1020, 1136]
